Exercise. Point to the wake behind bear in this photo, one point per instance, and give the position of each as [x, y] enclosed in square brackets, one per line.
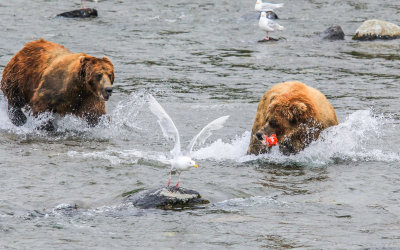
[46, 76]
[295, 114]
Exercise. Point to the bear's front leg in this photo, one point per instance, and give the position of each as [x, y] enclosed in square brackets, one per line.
[299, 139]
[16, 115]
[40, 105]
[92, 109]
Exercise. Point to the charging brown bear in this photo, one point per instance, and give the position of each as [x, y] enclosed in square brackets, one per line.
[295, 113]
[46, 76]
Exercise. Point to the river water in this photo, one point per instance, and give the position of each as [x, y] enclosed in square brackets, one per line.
[201, 60]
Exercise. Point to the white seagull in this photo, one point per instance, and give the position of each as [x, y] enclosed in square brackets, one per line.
[268, 25]
[260, 6]
[181, 160]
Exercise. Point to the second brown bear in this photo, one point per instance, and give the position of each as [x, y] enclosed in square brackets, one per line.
[295, 113]
[46, 76]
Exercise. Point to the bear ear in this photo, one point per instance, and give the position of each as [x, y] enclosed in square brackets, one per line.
[297, 111]
[83, 59]
[107, 60]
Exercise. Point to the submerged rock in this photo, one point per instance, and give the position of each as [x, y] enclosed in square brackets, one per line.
[81, 13]
[334, 32]
[66, 209]
[166, 198]
[377, 29]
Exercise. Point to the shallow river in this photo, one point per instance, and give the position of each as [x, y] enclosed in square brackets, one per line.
[201, 60]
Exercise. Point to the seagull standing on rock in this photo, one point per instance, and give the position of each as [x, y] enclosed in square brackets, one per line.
[181, 160]
[268, 25]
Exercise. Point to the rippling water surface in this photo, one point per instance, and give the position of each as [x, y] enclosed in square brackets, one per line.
[201, 60]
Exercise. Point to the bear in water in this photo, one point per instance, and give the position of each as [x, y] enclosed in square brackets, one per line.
[46, 76]
[295, 113]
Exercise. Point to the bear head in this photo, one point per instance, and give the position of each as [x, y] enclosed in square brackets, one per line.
[98, 75]
[292, 120]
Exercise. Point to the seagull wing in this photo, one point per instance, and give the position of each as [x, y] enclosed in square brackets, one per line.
[272, 26]
[270, 6]
[206, 132]
[277, 26]
[166, 124]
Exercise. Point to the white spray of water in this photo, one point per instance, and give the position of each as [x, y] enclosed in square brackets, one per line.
[120, 122]
[353, 140]
[28, 128]
[358, 138]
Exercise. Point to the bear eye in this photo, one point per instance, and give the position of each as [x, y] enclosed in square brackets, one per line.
[273, 123]
[99, 76]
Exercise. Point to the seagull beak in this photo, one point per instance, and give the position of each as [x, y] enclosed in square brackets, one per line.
[196, 166]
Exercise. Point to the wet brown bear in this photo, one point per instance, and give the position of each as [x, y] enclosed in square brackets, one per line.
[48, 77]
[296, 113]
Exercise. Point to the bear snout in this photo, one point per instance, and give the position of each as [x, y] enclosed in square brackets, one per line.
[259, 136]
[109, 90]
[106, 93]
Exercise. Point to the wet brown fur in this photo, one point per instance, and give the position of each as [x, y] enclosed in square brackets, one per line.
[296, 113]
[48, 77]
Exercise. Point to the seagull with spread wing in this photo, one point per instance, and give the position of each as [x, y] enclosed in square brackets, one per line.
[260, 6]
[181, 160]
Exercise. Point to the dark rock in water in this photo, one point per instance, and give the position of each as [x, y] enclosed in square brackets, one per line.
[271, 15]
[166, 198]
[334, 32]
[377, 29]
[256, 15]
[81, 13]
[270, 40]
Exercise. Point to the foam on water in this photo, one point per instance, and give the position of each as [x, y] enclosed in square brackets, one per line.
[64, 211]
[248, 202]
[115, 156]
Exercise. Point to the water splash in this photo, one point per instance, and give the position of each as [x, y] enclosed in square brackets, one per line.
[31, 124]
[359, 138]
[119, 123]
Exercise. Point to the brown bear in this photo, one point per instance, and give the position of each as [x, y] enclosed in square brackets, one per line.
[295, 113]
[46, 76]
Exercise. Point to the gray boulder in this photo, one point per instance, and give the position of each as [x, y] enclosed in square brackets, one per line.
[166, 198]
[377, 29]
